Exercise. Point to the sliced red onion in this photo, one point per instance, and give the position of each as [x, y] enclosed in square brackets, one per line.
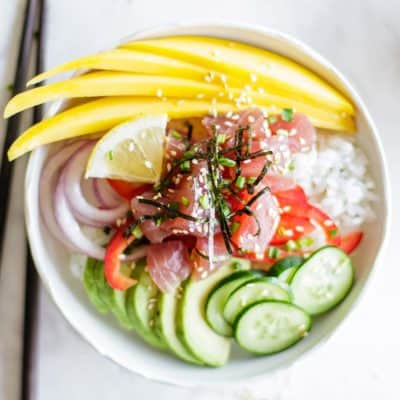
[47, 184]
[106, 196]
[70, 227]
[81, 208]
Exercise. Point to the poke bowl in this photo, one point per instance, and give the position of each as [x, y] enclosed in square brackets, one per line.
[196, 209]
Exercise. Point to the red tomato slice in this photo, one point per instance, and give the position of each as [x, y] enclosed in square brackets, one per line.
[128, 190]
[115, 278]
[291, 228]
[350, 242]
[326, 223]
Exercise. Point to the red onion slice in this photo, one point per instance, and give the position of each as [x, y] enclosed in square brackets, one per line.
[70, 227]
[105, 194]
[47, 184]
[81, 208]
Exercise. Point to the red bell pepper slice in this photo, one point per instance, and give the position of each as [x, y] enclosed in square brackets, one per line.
[112, 263]
[327, 224]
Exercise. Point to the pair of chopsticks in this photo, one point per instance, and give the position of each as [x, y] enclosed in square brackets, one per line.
[32, 30]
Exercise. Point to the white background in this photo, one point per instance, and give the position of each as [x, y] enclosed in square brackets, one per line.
[362, 38]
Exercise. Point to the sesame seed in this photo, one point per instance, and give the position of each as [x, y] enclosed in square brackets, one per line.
[200, 95]
[159, 93]
[148, 164]
[253, 77]
[251, 119]
[299, 228]
[180, 102]
[261, 90]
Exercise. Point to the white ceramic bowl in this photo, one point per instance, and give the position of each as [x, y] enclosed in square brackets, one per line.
[52, 260]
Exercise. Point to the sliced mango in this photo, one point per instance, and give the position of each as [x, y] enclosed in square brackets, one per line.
[100, 84]
[128, 61]
[271, 71]
[100, 115]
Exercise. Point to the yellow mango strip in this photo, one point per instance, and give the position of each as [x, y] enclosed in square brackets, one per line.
[103, 114]
[101, 84]
[270, 71]
[128, 61]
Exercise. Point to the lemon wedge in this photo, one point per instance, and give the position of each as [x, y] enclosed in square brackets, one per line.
[132, 151]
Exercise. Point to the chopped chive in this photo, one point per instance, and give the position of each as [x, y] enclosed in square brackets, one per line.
[273, 252]
[236, 266]
[291, 166]
[176, 135]
[291, 245]
[226, 182]
[240, 181]
[272, 119]
[137, 232]
[251, 180]
[333, 232]
[305, 242]
[235, 226]
[185, 201]
[227, 162]
[185, 166]
[225, 208]
[189, 154]
[110, 155]
[221, 137]
[204, 202]
[107, 230]
[287, 114]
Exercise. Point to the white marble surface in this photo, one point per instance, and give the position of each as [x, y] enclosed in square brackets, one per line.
[362, 38]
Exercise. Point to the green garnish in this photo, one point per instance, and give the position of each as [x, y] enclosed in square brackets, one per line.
[176, 135]
[287, 114]
[251, 180]
[291, 166]
[240, 181]
[185, 166]
[137, 232]
[235, 226]
[227, 162]
[10, 87]
[305, 242]
[272, 119]
[291, 245]
[189, 154]
[236, 266]
[273, 252]
[110, 155]
[221, 137]
[204, 201]
[185, 201]
[333, 232]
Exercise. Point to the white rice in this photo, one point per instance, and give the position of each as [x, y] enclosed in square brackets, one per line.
[335, 177]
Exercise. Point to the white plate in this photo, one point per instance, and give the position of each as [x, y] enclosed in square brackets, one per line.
[52, 260]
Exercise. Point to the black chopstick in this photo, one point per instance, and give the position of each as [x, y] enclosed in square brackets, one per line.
[13, 124]
[31, 277]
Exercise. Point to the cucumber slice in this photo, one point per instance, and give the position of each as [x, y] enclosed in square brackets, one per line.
[218, 297]
[323, 280]
[141, 304]
[271, 326]
[166, 321]
[89, 282]
[287, 275]
[255, 290]
[201, 340]
[285, 263]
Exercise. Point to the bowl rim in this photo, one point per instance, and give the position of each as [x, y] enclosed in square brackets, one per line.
[302, 48]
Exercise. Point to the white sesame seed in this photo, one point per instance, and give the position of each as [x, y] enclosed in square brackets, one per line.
[148, 164]
[299, 228]
[159, 93]
[253, 77]
[251, 119]
[200, 95]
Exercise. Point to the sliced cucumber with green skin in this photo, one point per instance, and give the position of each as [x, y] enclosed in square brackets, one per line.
[142, 308]
[268, 327]
[218, 297]
[288, 274]
[323, 280]
[166, 321]
[89, 282]
[255, 290]
[285, 263]
[206, 345]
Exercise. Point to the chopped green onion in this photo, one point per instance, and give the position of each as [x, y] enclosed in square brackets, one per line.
[235, 226]
[333, 232]
[226, 182]
[272, 119]
[236, 266]
[176, 135]
[251, 180]
[185, 166]
[10, 87]
[185, 201]
[137, 232]
[240, 181]
[291, 245]
[287, 114]
[204, 202]
[110, 155]
[225, 209]
[227, 162]
[189, 154]
[291, 166]
[273, 252]
[221, 137]
[305, 242]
